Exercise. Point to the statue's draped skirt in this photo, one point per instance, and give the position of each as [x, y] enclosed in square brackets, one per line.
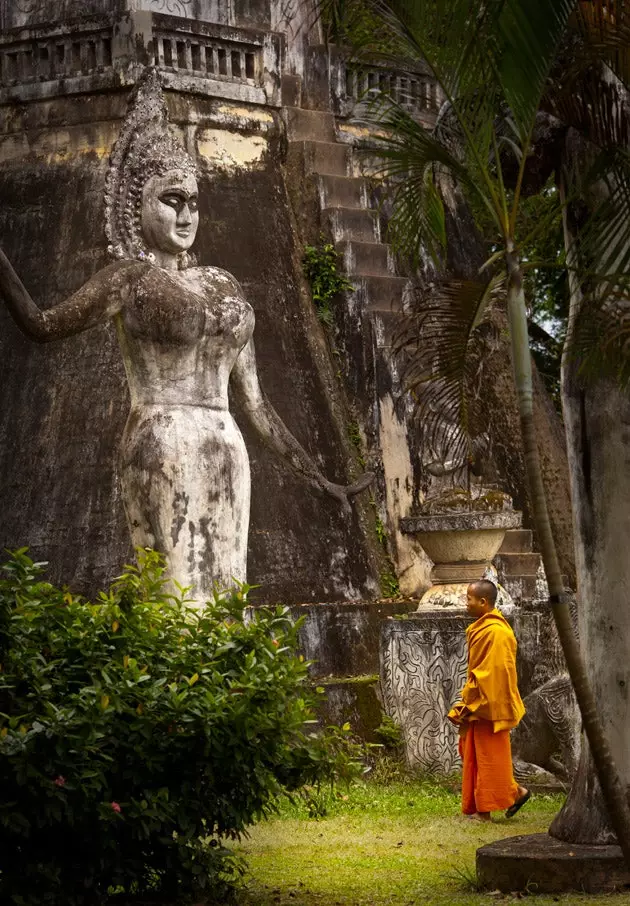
[186, 486]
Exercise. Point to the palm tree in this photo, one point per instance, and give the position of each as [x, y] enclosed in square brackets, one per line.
[494, 62]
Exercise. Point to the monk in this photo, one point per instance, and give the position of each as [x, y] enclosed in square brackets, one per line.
[490, 707]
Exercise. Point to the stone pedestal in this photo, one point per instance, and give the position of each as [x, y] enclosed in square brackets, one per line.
[461, 546]
[538, 863]
[423, 668]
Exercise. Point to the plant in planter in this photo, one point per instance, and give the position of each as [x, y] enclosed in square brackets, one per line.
[137, 735]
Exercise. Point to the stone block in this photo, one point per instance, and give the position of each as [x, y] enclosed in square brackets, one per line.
[538, 863]
[342, 191]
[423, 668]
[381, 293]
[353, 223]
[309, 125]
[342, 639]
[354, 701]
[326, 157]
[366, 258]
[517, 541]
[518, 564]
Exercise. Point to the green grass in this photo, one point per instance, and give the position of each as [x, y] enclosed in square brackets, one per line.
[396, 844]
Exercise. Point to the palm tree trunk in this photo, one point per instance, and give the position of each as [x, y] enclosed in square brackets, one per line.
[613, 792]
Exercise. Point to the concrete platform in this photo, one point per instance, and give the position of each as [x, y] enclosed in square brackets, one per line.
[539, 863]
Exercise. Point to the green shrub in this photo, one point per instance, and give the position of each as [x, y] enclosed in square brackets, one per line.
[321, 269]
[137, 735]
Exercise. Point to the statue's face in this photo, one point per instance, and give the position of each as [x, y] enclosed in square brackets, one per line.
[170, 216]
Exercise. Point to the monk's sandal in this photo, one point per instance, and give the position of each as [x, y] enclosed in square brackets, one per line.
[513, 809]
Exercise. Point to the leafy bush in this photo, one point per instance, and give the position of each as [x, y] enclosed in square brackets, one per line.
[138, 735]
[321, 269]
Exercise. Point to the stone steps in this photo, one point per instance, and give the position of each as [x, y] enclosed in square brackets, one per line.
[309, 125]
[328, 158]
[366, 258]
[519, 567]
[359, 224]
[518, 564]
[370, 265]
[517, 541]
[342, 191]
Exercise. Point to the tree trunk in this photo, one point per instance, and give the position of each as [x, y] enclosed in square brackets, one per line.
[597, 420]
[598, 430]
[612, 789]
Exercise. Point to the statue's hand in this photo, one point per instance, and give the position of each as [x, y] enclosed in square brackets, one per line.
[344, 493]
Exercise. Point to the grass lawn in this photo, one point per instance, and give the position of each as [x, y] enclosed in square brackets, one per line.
[394, 844]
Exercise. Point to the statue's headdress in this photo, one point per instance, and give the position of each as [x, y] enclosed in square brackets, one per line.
[144, 148]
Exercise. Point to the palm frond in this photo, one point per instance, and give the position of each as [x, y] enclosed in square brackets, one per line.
[605, 26]
[450, 38]
[600, 339]
[412, 161]
[443, 347]
[592, 103]
[529, 34]
[604, 240]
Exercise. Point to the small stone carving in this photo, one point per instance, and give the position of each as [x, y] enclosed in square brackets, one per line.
[548, 735]
[185, 332]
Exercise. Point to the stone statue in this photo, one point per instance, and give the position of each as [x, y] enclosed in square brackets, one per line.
[184, 333]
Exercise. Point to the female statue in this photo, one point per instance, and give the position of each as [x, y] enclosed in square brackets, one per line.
[184, 333]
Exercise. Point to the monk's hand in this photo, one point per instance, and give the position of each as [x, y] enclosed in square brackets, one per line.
[458, 714]
[345, 493]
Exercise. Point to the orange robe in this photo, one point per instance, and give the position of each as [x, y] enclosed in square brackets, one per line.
[490, 707]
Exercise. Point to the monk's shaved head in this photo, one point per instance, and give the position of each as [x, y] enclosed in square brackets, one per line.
[484, 589]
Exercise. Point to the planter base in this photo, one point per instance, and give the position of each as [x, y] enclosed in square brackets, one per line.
[453, 596]
[538, 863]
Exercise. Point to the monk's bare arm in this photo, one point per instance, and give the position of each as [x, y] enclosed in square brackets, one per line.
[98, 299]
[271, 429]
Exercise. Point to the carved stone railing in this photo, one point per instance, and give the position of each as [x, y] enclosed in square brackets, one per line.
[42, 55]
[354, 86]
[207, 58]
[219, 60]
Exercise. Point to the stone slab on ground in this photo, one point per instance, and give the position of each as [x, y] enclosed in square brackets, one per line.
[539, 863]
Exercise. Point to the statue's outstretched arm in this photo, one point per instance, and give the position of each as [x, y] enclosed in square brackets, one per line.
[271, 429]
[100, 298]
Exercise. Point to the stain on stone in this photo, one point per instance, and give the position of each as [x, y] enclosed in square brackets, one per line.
[180, 508]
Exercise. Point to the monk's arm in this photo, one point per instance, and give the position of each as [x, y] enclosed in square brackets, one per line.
[100, 298]
[481, 663]
[273, 432]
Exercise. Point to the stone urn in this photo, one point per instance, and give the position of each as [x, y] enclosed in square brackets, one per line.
[462, 545]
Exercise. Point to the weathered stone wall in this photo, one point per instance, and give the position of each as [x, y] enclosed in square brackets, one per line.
[63, 407]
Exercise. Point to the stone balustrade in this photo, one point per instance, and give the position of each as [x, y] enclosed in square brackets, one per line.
[207, 57]
[418, 94]
[47, 56]
[103, 52]
[355, 85]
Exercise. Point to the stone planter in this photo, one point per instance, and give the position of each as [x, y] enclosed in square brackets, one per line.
[461, 545]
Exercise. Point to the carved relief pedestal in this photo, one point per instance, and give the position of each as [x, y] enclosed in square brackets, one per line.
[423, 668]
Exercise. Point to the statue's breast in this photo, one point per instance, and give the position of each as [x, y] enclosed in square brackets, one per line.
[187, 307]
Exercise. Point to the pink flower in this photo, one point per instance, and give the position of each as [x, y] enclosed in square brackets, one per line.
[60, 781]
[115, 807]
